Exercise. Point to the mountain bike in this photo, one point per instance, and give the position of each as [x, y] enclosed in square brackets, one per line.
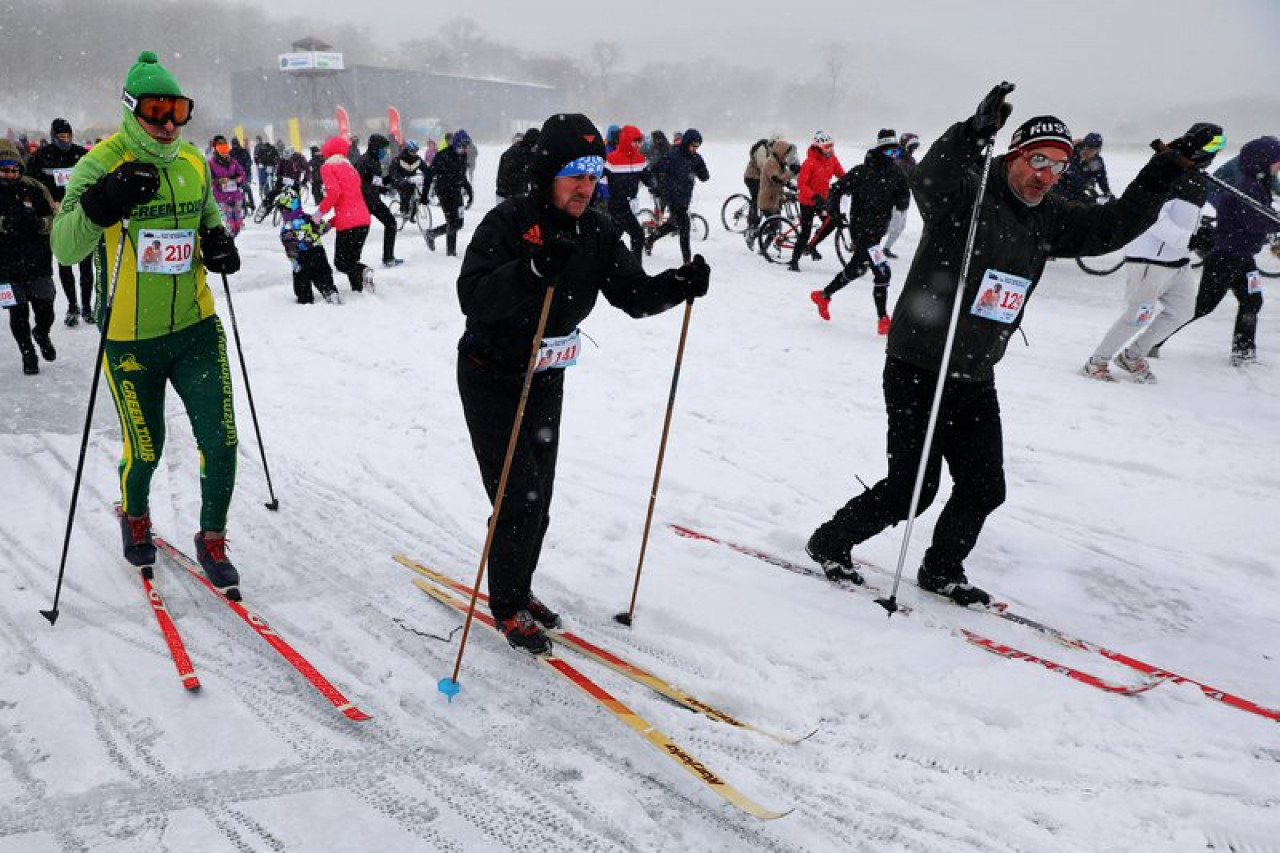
[651, 220]
[778, 235]
[735, 213]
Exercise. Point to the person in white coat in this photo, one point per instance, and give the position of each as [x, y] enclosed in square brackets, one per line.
[1160, 293]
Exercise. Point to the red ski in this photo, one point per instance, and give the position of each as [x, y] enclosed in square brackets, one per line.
[181, 660]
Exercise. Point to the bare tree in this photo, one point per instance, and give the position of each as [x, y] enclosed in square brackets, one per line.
[604, 58]
[834, 64]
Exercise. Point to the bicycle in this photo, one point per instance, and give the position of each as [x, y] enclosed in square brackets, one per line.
[650, 221]
[735, 213]
[778, 235]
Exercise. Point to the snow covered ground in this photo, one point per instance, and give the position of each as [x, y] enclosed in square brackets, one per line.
[1141, 517]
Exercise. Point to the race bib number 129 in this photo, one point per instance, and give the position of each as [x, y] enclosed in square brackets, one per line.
[1001, 296]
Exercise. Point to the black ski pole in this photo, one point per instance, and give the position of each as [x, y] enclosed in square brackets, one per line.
[273, 504]
[891, 603]
[52, 613]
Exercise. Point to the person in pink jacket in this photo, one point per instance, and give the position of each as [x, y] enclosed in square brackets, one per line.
[350, 215]
[227, 177]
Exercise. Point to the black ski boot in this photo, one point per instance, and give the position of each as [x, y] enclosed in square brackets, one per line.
[523, 633]
[952, 585]
[212, 554]
[836, 562]
[30, 362]
[46, 345]
[139, 549]
[542, 614]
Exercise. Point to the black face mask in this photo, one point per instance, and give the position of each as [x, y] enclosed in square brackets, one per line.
[60, 145]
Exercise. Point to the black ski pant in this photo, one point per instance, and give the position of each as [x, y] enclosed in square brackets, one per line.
[67, 276]
[859, 262]
[1223, 273]
[807, 214]
[379, 211]
[753, 190]
[312, 270]
[622, 216]
[677, 220]
[20, 322]
[451, 204]
[346, 255]
[968, 436]
[489, 401]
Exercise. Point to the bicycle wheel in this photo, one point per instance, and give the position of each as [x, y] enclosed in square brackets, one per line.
[698, 227]
[777, 239]
[735, 212]
[844, 246]
[275, 216]
[791, 208]
[424, 217]
[1102, 264]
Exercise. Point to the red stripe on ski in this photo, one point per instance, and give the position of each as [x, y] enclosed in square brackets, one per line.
[288, 652]
[1060, 668]
[177, 649]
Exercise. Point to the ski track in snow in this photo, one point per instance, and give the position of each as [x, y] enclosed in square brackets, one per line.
[1138, 517]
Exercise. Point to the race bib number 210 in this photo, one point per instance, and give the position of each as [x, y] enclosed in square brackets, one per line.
[168, 252]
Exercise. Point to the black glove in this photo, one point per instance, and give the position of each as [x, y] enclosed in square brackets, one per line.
[1201, 242]
[114, 194]
[992, 113]
[550, 259]
[1192, 144]
[833, 206]
[219, 250]
[694, 278]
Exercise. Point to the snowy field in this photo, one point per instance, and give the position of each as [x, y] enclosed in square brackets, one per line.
[1140, 517]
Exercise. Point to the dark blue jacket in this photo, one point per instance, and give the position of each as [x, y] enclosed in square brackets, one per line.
[1242, 231]
[676, 172]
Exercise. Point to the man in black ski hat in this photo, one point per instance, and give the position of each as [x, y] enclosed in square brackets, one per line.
[1019, 228]
[52, 165]
[549, 237]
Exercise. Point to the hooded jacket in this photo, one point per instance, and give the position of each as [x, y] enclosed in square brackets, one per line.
[370, 170]
[342, 193]
[777, 172]
[627, 167]
[677, 171]
[1012, 238]
[26, 217]
[875, 189]
[146, 304]
[1241, 232]
[814, 181]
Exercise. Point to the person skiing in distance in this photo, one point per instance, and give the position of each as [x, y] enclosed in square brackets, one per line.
[875, 188]
[343, 203]
[513, 166]
[675, 176]
[26, 286]
[227, 178]
[51, 165]
[448, 173]
[521, 246]
[370, 168]
[1086, 178]
[1019, 227]
[163, 327]
[1158, 274]
[267, 157]
[813, 184]
[908, 143]
[627, 169]
[1240, 234]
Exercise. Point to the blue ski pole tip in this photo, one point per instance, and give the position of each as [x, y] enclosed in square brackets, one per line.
[449, 687]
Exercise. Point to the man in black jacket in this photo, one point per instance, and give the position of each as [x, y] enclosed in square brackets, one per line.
[513, 166]
[51, 165]
[525, 244]
[371, 186]
[876, 188]
[448, 172]
[26, 286]
[1019, 228]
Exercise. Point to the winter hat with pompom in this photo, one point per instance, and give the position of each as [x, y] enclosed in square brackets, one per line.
[149, 77]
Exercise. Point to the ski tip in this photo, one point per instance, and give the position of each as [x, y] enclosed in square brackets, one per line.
[449, 687]
[191, 683]
[351, 712]
[622, 619]
[51, 615]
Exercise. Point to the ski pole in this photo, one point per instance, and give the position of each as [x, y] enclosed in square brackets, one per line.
[891, 603]
[98, 366]
[626, 618]
[1248, 200]
[449, 686]
[273, 504]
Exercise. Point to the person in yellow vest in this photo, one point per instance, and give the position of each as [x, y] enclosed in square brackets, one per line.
[147, 187]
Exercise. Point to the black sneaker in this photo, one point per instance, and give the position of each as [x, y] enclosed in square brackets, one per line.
[953, 586]
[524, 633]
[87, 313]
[837, 563]
[392, 262]
[30, 362]
[212, 554]
[139, 550]
[888, 253]
[542, 614]
[46, 346]
[73, 316]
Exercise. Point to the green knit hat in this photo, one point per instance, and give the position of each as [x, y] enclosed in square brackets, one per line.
[149, 77]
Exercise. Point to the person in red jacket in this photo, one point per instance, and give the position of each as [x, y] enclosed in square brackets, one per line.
[821, 166]
[343, 198]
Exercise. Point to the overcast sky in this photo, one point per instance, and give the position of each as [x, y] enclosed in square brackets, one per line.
[1133, 56]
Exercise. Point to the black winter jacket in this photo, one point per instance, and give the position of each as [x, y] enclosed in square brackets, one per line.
[513, 170]
[875, 189]
[448, 172]
[1012, 238]
[502, 298]
[676, 172]
[26, 217]
[46, 166]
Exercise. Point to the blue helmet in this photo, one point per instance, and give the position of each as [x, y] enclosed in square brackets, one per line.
[411, 146]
